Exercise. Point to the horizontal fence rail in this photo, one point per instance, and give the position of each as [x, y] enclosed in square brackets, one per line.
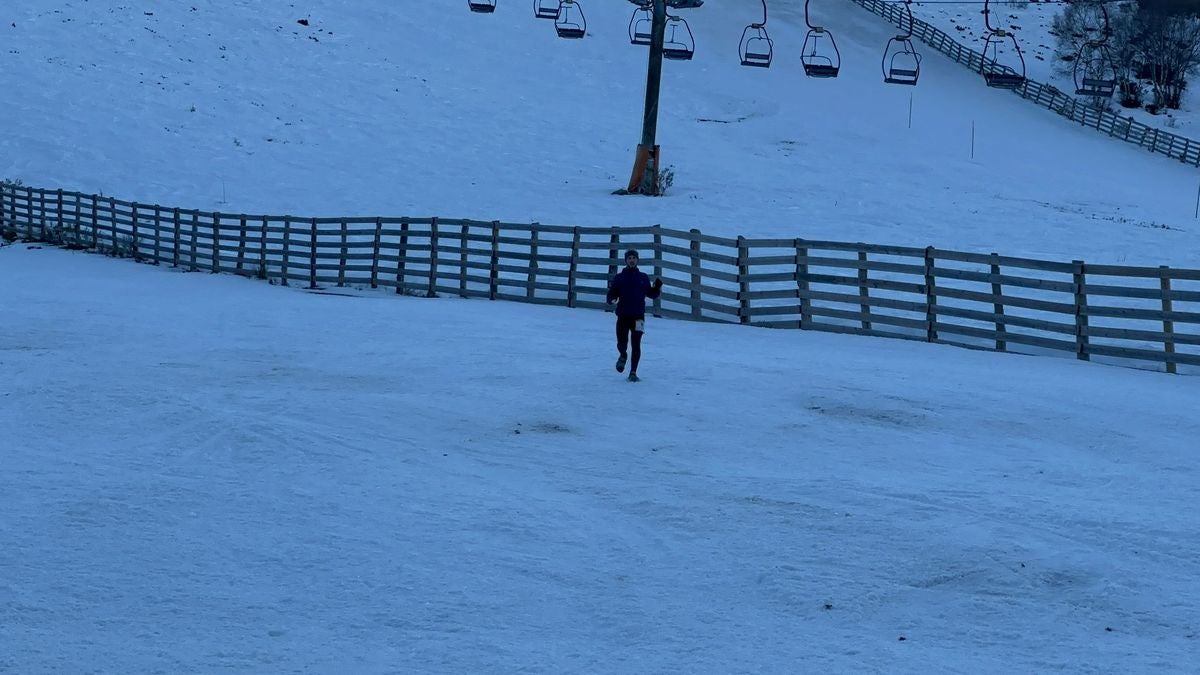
[1127, 129]
[1117, 314]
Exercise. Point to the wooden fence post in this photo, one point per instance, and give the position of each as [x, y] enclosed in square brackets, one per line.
[157, 234]
[402, 264]
[29, 213]
[802, 286]
[998, 304]
[95, 224]
[264, 270]
[79, 218]
[658, 270]
[614, 252]
[285, 265]
[216, 243]
[863, 292]
[574, 269]
[1168, 321]
[743, 275]
[375, 252]
[462, 261]
[433, 258]
[531, 275]
[133, 219]
[175, 224]
[494, 263]
[240, 263]
[42, 212]
[17, 215]
[312, 254]
[61, 228]
[1081, 317]
[195, 234]
[345, 253]
[697, 277]
[930, 297]
[112, 222]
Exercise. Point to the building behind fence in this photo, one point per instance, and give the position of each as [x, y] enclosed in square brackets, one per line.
[1130, 315]
[1127, 129]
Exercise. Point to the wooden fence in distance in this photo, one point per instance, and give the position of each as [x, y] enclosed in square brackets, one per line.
[1121, 314]
[1127, 129]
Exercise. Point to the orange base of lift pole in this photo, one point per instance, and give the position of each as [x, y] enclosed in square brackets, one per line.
[645, 171]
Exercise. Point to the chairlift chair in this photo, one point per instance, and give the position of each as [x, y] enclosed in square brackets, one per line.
[546, 9]
[1095, 71]
[641, 24]
[482, 6]
[901, 62]
[568, 26]
[756, 47]
[679, 47]
[903, 66]
[817, 61]
[1095, 74]
[996, 74]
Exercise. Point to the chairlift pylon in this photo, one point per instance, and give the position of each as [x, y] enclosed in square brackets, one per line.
[901, 62]
[570, 22]
[641, 24]
[819, 61]
[756, 49]
[680, 43]
[1095, 72]
[996, 74]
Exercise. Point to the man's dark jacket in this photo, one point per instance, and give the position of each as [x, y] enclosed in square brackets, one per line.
[629, 289]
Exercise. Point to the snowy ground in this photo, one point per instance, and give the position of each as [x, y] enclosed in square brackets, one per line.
[1031, 23]
[425, 108]
[206, 473]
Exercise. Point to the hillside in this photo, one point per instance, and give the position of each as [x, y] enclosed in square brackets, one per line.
[429, 109]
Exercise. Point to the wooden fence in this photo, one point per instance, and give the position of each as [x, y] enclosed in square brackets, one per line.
[1129, 315]
[1127, 129]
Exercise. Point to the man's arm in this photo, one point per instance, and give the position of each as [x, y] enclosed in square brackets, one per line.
[655, 289]
[614, 291]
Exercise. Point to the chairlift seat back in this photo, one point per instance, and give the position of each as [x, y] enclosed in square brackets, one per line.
[1004, 80]
[543, 9]
[677, 53]
[757, 60]
[1098, 88]
[820, 69]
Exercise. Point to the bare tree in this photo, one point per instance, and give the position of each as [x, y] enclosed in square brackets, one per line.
[1078, 24]
[1169, 47]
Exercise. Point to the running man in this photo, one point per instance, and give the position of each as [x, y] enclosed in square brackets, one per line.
[629, 289]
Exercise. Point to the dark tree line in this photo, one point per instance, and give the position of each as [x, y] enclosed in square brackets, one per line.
[1153, 45]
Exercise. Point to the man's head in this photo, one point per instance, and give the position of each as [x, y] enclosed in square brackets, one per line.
[631, 258]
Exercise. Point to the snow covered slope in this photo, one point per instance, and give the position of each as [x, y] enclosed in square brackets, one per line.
[425, 108]
[208, 474]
